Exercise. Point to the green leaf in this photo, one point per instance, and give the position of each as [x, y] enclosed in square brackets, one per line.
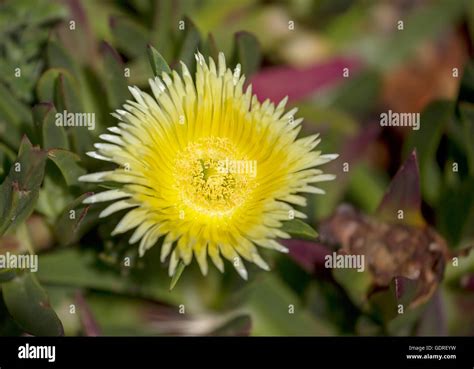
[67, 99]
[466, 90]
[366, 187]
[247, 52]
[455, 212]
[67, 162]
[423, 23]
[58, 57]
[28, 304]
[15, 118]
[82, 269]
[433, 122]
[466, 111]
[113, 74]
[53, 136]
[189, 44]
[177, 274]
[356, 96]
[19, 191]
[299, 229]
[209, 47]
[74, 221]
[53, 188]
[46, 83]
[157, 62]
[355, 283]
[269, 291]
[66, 94]
[163, 16]
[130, 37]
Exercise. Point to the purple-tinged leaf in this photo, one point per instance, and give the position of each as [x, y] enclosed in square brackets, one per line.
[405, 289]
[89, 324]
[309, 255]
[277, 82]
[402, 201]
[433, 321]
[467, 282]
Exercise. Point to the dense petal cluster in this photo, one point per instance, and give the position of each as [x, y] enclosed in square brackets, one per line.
[206, 168]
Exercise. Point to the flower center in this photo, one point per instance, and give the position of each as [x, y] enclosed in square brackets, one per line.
[210, 178]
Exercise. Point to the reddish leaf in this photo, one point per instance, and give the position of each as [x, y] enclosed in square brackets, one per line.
[402, 201]
[91, 328]
[277, 82]
[308, 255]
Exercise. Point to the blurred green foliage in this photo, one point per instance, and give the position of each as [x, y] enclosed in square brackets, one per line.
[86, 66]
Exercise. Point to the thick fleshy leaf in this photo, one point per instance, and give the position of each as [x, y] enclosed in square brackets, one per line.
[356, 284]
[58, 57]
[299, 229]
[53, 135]
[287, 316]
[309, 255]
[28, 304]
[163, 16]
[83, 269]
[67, 99]
[72, 222]
[88, 321]
[114, 76]
[209, 47]
[455, 212]
[46, 83]
[15, 118]
[433, 321]
[277, 82]
[396, 305]
[247, 52]
[157, 62]
[402, 201]
[425, 140]
[68, 164]
[19, 191]
[189, 44]
[129, 37]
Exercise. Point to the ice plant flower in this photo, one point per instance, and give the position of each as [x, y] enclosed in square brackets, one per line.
[207, 168]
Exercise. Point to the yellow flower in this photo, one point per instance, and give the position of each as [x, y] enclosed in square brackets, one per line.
[206, 167]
